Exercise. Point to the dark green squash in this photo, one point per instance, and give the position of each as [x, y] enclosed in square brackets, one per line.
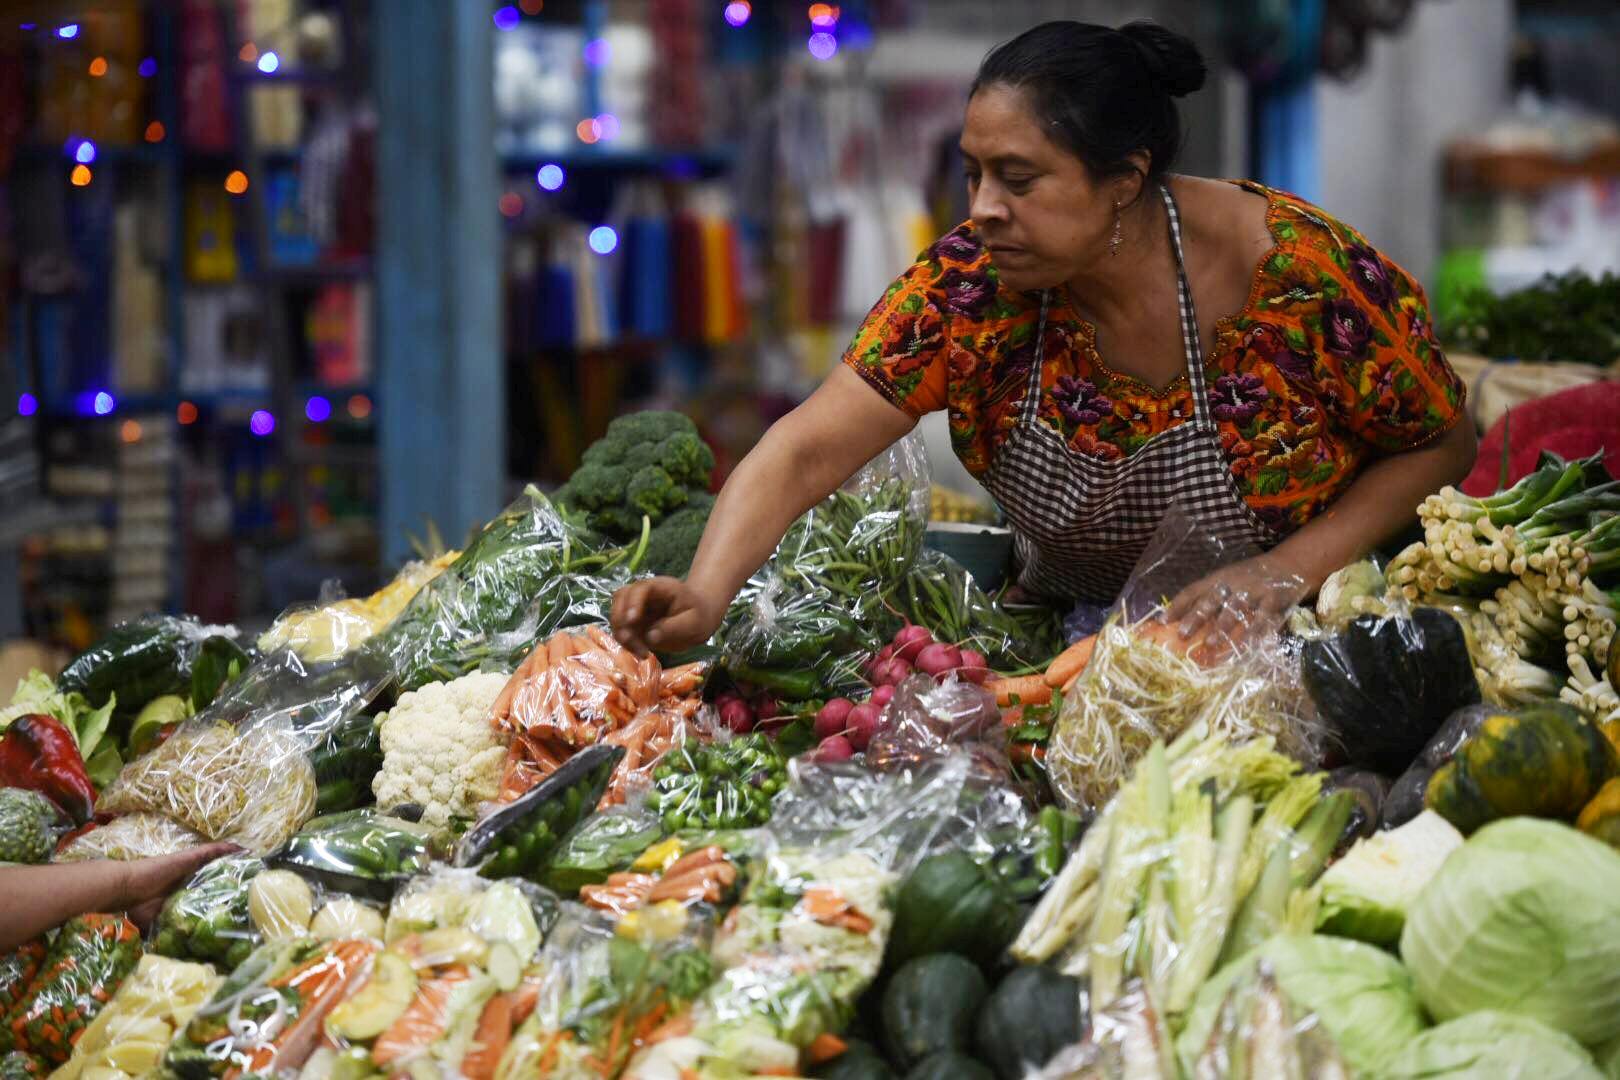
[1384, 685]
[949, 904]
[1033, 1014]
[948, 1066]
[859, 1062]
[929, 1007]
[1544, 761]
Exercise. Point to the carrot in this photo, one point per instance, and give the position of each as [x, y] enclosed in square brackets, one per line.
[548, 1056]
[1070, 662]
[824, 1047]
[524, 999]
[1068, 687]
[422, 1021]
[489, 1041]
[648, 1023]
[1028, 689]
[683, 680]
[1013, 716]
[674, 1028]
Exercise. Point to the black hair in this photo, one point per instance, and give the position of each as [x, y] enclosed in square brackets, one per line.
[1104, 93]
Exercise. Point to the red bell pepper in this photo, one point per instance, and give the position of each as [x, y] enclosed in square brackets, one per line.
[39, 753]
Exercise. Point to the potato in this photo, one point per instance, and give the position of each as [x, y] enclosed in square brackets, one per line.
[280, 904]
[136, 1056]
[346, 917]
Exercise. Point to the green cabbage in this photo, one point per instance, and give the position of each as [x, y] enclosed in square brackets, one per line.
[1362, 996]
[1491, 1045]
[1522, 918]
[1366, 894]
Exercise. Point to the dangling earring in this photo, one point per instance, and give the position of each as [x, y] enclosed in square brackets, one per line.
[1119, 231]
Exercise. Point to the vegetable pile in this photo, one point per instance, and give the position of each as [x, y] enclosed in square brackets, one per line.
[883, 825]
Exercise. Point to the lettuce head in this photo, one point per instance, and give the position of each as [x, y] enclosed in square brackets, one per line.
[1492, 1046]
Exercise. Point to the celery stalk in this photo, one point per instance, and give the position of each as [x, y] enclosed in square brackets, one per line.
[1203, 946]
[1317, 836]
[1144, 812]
[1262, 912]
[1193, 821]
[1283, 811]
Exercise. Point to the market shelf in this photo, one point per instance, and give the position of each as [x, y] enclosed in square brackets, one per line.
[705, 162]
[1475, 168]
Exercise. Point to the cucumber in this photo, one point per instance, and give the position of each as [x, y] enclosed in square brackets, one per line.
[381, 1001]
[504, 966]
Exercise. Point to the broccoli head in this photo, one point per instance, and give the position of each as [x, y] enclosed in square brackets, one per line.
[687, 458]
[640, 456]
[648, 427]
[618, 522]
[597, 487]
[671, 546]
[653, 492]
[604, 452]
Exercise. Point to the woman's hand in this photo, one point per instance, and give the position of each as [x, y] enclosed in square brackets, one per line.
[1226, 608]
[664, 613]
[144, 884]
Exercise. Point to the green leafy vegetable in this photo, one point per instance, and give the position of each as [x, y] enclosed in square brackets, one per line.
[1522, 918]
[1487, 1045]
[1570, 317]
[1366, 894]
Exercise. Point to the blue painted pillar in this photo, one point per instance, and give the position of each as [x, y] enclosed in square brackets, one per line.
[440, 374]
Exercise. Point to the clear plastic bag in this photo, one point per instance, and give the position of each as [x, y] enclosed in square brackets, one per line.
[518, 913]
[241, 770]
[703, 875]
[87, 961]
[578, 689]
[795, 628]
[725, 784]
[146, 658]
[609, 988]
[132, 1033]
[367, 852]
[527, 574]
[941, 595]
[207, 919]
[1384, 684]
[1261, 1034]
[132, 836]
[603, 844]
[1127, 1041]
[269, 1014]
[927, 720]
[337, 624]
[17, 970]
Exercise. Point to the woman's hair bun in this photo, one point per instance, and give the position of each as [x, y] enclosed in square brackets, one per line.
[1173, 61]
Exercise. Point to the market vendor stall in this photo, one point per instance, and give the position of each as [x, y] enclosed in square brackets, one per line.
[879, 826]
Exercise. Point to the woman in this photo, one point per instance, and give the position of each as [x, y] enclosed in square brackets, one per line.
[1111, 339]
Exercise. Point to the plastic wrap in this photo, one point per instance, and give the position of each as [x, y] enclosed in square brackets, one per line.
[517, 839]
[440, 998]
[525, 575]
[31, 825]
[927, 720]
[1405, 799]
[336, 624]
[268, 1015]
[703, 875]
[207, 919]
[610, 988]
[940, 594]
[726, 784]
[241, 770]
[133, 836]
[84, 966]
[147, 658]
[604, 843]
[577, 689]
[1385, 684]
[1136, 690]
[132, 1033]
[1129, 1040]
[17, 970]
[798, 626]
[1261, 1034]
[366, 852]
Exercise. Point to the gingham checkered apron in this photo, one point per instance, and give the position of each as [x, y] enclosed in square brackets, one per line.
[1081, 523]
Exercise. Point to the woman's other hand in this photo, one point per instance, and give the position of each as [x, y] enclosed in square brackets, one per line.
[664, 613]
[1222, 611]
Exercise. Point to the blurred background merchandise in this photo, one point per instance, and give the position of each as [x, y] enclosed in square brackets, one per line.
[282, 282]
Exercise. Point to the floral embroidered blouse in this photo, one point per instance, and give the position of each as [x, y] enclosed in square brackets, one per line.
[1331, 362]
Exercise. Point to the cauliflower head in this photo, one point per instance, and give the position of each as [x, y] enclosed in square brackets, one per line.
[440, 750]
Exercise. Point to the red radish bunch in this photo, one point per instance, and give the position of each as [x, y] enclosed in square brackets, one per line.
[845, 727]
[743, 714]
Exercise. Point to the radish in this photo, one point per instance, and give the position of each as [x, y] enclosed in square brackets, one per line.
[975, 668]
[833, 717]
[892, 672]
[736, 715]
[863, 724]
[910, 641]
[835, 748]
[939, 660]
[882, 696]
[766, 708]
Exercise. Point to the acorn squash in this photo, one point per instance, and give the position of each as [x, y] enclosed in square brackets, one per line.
[949, 1066]
[1601, 816]
[1384, 685]
[1544, 761]
[929, 1007]
[950, 904]
[1033, 1014]
[859, 1062]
